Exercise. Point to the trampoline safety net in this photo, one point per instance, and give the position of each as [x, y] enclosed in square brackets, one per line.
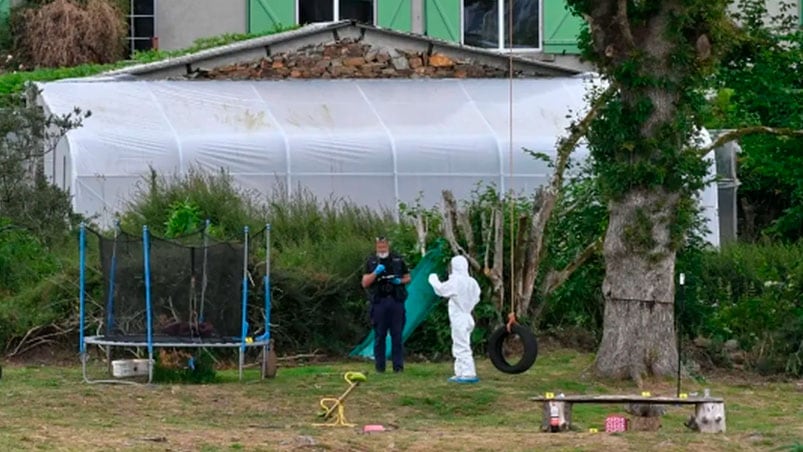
[195, 288]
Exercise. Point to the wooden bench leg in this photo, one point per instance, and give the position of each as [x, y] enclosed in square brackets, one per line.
[709, 417]
[557, 416]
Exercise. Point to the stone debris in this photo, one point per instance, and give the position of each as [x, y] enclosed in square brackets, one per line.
[348, 58]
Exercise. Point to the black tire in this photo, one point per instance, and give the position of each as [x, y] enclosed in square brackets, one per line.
[497, 341]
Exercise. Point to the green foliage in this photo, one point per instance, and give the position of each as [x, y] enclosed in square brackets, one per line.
[23, 259]
[37, 287]
[759, 83]
[12, 84]
[751, 293]
[37, 280]
[198, 369]
[26, 199]
[185, 218]
[580, 217]
[148, 56]
[172, 206]
[660, 63]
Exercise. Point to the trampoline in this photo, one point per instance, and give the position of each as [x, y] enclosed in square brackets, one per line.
[188, 292]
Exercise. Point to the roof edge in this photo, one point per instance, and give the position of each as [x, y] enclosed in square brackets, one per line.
[259, 43]
[292, 40]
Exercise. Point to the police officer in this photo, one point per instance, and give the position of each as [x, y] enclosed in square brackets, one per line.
[385, 277]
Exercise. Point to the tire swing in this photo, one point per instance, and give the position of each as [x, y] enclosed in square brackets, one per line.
[496, 347]
[497, 340]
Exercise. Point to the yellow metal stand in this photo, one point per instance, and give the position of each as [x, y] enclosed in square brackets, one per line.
[334, 409]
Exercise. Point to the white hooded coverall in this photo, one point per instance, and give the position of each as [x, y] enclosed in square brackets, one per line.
[463, 293]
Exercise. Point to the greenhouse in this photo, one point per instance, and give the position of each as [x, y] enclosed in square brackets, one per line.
[375, 142]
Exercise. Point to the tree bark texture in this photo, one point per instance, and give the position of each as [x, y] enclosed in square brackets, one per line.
[639, 247]
[638, 327]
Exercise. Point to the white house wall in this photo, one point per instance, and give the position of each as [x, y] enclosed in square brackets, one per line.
[179, 23]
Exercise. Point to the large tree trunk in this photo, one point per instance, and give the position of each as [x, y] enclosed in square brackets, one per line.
[638, 336]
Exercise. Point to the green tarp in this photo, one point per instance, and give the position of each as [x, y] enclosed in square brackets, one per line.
[421, 300]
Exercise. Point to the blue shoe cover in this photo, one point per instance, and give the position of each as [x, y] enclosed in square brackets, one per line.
[464, 380]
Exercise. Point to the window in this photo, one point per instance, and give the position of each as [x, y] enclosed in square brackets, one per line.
[141, 25]
[332, 10]
[481, 19]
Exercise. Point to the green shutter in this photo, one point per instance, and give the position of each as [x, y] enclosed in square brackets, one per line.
[561, 28]
[395, 14]
[5, 6]
[267, 15]
[443, 19]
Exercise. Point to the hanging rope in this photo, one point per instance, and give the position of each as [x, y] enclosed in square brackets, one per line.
[496, 343]
[511, 317]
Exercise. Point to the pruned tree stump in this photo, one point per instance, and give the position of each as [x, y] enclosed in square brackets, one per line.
[709, 417]
[557, 416]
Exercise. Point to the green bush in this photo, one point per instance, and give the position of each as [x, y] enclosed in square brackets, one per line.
[750, 293]
[23, 259]
[38, 288]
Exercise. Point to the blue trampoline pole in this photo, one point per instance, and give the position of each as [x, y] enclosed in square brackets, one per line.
[82, 286]
[244, 330]
[112, 275]
[146, 255]
[267, 283]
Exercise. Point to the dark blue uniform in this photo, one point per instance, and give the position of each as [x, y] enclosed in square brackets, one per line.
[387, 309]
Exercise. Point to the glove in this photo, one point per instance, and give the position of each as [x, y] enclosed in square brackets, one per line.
[396, 281]
[379, 269]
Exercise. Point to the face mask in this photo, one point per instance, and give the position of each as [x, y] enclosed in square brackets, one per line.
[383, 255]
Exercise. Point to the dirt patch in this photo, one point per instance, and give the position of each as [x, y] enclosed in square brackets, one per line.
[58, 354]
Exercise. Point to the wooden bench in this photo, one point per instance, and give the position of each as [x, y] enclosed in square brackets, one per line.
[709, 412]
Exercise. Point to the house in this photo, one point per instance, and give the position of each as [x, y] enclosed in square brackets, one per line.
[542, 29]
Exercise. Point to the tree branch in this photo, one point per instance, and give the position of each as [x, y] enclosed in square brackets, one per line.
[550, 195]
[734, 135]
[464, 224]
[555, 279]
[624, 24]
[449, 225]
[496, 273]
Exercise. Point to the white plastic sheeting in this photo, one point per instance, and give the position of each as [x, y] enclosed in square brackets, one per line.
[376, 142]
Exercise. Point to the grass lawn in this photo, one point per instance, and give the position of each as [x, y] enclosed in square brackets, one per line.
[49, 408]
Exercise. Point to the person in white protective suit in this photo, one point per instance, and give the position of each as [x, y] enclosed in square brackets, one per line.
[463, 293]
